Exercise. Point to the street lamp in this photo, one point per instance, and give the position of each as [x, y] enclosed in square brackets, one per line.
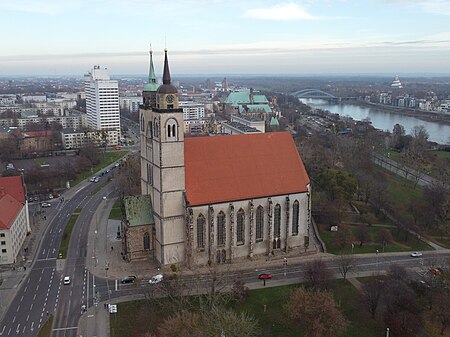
[285, 265]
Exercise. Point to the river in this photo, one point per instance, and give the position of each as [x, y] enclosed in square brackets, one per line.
[384, 120]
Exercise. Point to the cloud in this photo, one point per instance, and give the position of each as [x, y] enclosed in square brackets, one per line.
[439, 7]
[281, 12]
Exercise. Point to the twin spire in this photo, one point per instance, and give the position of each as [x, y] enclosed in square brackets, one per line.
[166, 72]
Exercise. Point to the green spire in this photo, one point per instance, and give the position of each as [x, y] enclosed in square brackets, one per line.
[152, 84]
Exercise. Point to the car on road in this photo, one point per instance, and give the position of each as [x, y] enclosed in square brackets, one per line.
[128, 279]
[96, 180]
[92, 179]
[66, 279]
[46, 204]
[156, 279]
[416, 254]
[265, 276]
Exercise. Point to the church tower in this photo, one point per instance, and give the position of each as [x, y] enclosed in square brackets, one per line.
[162, 169]
[149, 92]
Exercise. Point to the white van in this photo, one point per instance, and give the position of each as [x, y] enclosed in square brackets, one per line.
[156, 279]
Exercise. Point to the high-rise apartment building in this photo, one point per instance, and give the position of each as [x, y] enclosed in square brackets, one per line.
[102, 100]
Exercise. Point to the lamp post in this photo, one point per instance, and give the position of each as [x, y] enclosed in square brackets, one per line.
[378, 265]
[285, 265]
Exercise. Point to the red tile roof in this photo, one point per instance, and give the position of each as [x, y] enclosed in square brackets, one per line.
[226, 168]
[12, 197]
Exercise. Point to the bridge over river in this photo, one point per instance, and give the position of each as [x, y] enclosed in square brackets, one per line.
[319, 94]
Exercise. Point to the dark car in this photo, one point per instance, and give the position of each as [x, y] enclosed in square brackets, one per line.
[128, 279]
[265, 276]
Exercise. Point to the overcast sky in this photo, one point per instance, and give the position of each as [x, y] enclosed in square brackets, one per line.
[67, 37]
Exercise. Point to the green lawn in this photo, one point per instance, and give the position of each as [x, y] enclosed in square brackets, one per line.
[134, 318]
[116, 213]
[106, 159]
[401, 243]
[67, 232]
[46, 329]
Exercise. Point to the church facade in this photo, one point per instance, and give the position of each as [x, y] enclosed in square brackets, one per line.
[218, 199]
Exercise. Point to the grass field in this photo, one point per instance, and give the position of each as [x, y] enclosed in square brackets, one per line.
[46, 329]
[136, 317]
[116, 213]
[62, 252]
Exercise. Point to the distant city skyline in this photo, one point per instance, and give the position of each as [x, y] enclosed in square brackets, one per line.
[53, 37]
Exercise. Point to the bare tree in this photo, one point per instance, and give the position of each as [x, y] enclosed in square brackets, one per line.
[371, 293]
[346, 262]
[441, 310]
[317, 274]
[317, 311]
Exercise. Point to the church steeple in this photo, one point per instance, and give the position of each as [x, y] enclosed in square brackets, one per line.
[151, 73]
[152, 84]
[167, 97]
[166, 74]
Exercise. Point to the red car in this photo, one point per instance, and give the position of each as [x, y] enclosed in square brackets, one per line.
[265, 276]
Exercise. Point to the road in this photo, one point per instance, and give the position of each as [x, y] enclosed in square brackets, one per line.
[42, 292]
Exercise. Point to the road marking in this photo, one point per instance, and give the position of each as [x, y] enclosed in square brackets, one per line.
[18, 307]
[18, 326]
[61, 329]
[31, 307]
[1, 333]
[9, 331]
[32, 326]
[28, 317]
[47, 259]
[25, 290]
[14, 319]
[23, 329]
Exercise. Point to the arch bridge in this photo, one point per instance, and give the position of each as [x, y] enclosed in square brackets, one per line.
[313, 93]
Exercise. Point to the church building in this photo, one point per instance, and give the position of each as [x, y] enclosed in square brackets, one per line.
[218, 199]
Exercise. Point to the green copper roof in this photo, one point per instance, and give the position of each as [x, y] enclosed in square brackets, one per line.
[260, 99]
[152, 84]
[259, 107]
[240, 97]
[151, 87]
[274, 122]
[139, 210]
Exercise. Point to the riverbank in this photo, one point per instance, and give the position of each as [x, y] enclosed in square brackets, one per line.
[427, 116]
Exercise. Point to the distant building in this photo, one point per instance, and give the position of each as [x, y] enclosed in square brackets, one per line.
[243, 124]
[396, 83]
[76, 139]
[193, 115]
[102, 100]
[130, 104]
[247, 102]
[14, 219]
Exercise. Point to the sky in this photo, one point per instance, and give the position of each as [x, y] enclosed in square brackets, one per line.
[204, 37]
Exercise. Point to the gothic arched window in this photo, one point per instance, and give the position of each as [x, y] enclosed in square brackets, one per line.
[150, 130]
[201, 231]
[295, 214]
[171, 129]
[240, 227]
[221, 229]
[259, 223]
[277, 221]
[146, 241]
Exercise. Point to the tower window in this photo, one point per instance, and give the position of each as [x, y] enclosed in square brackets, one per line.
[171, 127]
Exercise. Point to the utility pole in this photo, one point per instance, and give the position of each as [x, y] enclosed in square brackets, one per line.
[285, 265]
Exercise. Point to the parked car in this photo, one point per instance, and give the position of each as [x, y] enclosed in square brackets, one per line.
[265, 276]
[156, 279]
[92, 179]
[416, 254]
[46, 204]
[128, 279]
